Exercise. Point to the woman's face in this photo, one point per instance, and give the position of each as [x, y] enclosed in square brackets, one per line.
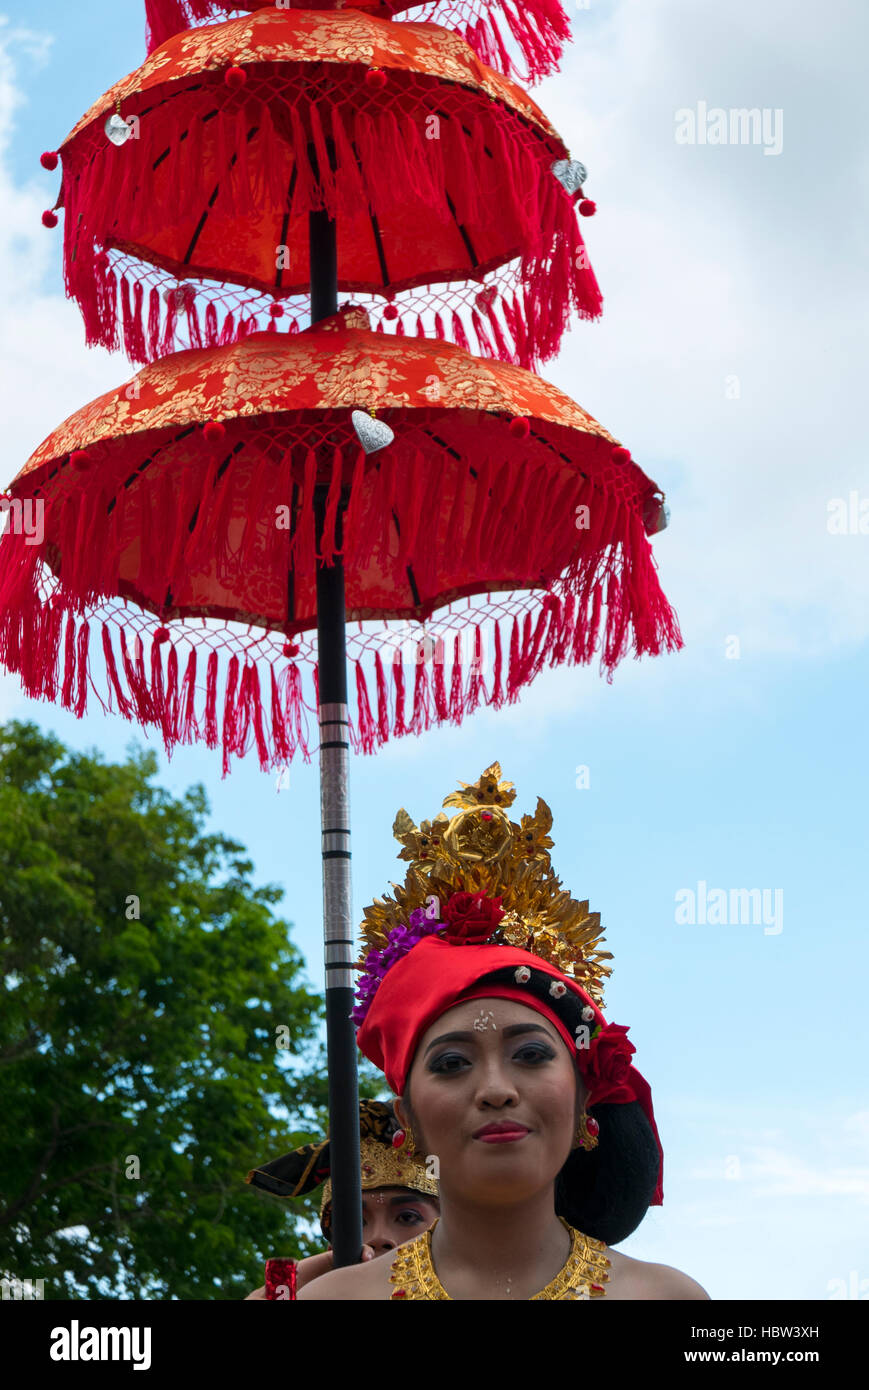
[392, 1215]
[496, 1095]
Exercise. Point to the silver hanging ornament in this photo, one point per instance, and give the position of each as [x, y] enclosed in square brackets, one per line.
[656, 515]
[182, 296]
[117, 129]
[372, 434]
[571, 173]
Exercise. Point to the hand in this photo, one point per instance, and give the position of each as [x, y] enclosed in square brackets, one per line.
[313, 1266]
[308, 1270]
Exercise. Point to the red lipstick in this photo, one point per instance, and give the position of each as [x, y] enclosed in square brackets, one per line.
[505, 1133]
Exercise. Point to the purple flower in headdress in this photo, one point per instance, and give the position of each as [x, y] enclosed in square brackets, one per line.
[380, 959]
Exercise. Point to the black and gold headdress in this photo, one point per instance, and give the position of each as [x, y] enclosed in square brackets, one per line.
[308, 1167]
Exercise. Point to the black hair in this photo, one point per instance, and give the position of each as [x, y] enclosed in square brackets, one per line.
[606, 1191]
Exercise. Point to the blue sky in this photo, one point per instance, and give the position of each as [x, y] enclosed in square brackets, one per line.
[719, 265]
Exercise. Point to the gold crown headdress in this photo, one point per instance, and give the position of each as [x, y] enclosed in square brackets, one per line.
[382, 1165]
[481, 850]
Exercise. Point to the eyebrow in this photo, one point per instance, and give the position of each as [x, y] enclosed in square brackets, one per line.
[513, 1031]
[400, 1199]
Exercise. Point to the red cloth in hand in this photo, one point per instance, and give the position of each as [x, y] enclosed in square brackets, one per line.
[280, 1279]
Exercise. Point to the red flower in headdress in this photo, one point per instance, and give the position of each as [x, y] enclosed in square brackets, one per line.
[606, 1069]
[471, 918]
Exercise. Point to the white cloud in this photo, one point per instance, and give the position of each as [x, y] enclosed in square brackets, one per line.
[718, 262]
[858, 1125]
[46, 372]
[771, 1172]
[774, 1162]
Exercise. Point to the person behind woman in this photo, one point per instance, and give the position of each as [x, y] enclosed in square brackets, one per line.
[484, 1014]
[399, 1197]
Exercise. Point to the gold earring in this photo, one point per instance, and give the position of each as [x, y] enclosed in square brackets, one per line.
[587, 1132]
[403, 1139]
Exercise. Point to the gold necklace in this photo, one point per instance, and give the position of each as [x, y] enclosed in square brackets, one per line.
[582, 1276]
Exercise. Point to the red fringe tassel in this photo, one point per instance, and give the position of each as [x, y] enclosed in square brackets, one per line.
[102, 188]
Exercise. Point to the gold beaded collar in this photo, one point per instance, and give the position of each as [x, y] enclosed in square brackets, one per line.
[582, 1277]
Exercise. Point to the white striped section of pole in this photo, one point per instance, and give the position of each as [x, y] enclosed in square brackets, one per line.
[335, 825]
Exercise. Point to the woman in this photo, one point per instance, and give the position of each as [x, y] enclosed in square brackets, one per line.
[399, 1197]
[498, 1055]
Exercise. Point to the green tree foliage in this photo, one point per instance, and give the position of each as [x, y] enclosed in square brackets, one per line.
[150, 1037]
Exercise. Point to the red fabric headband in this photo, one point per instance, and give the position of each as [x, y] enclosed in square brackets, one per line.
[435, 975]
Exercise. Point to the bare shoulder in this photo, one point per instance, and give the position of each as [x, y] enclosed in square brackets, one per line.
[630, 1278]
[362, 1282]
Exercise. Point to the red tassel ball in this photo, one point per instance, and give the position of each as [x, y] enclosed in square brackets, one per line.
[162, 634]
[49, 219]
[621, 455]
[390, 312]
[587, 208]
[520, 427]
[80, 460]
[214, 431]
[235, 77]
[49, 159]
[290, 649]
[276, 311]
[375, 78]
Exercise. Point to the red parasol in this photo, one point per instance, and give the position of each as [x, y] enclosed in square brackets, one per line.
[189, 494]
[441, 183]
[538, 28]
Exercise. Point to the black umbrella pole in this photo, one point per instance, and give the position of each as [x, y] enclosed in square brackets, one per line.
[344, 1158]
